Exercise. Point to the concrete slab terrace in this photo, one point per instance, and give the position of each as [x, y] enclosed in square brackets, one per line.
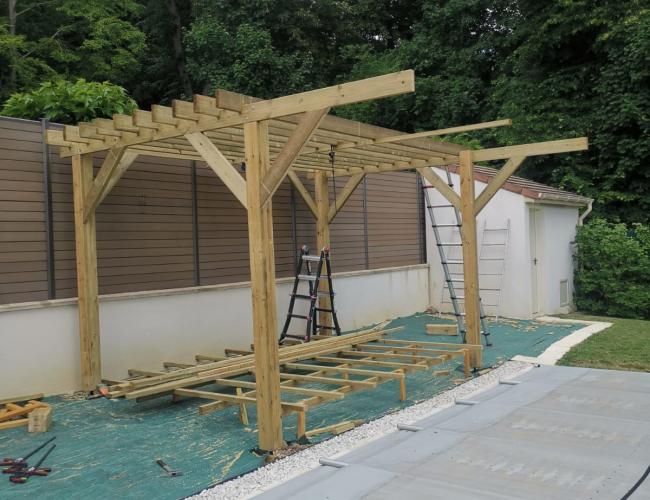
[561, 433]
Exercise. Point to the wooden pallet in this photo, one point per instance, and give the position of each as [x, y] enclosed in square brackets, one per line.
[349, 363]
[16, 411]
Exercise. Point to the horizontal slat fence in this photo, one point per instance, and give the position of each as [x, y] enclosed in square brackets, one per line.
[170, 223]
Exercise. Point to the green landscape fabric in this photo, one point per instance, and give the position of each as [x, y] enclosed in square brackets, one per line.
[107, 448]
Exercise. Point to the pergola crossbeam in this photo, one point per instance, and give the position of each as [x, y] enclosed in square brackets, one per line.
[533, 149]
[348, 190]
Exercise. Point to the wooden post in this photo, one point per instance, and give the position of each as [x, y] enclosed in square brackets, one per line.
[262, 265]
[470, 256]
[86, 253]
[323, 240]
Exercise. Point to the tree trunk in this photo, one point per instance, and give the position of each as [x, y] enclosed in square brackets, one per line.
[177, 43]
[12, 31]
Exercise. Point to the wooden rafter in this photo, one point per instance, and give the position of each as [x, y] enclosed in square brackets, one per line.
[304, 193]
[497, 182]
[533, 149]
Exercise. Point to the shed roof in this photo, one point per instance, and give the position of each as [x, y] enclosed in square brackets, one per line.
[529, 189]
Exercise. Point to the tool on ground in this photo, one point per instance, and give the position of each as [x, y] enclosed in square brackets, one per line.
[22, 475]
[170, 472]
[22, 461]
[316, 314]
[101, 392]
[445, 250]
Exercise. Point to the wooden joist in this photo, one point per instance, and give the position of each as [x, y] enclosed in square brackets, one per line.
[437, 329]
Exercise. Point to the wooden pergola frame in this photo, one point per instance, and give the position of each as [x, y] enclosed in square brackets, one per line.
[274, 138]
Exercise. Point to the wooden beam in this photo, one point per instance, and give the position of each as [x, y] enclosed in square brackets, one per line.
[418, 135]
[220, 164]
[86, 256]
[470, 256]
[232, 398]
[117, 161]
[438, 329]
[441, 185]
[304, 193]
[497, 182]
[165, 125]
[349, 188]
[283, 388]
[534, 149]
[323, 241]
[276, 174]
[328, 380]
[262, 266]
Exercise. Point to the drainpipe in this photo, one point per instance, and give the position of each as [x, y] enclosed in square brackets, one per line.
[584, 214]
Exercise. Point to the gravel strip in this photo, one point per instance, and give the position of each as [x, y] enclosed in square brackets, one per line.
[281, 471]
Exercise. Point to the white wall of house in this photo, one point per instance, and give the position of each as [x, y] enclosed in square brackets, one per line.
[143, 329]
[546, 237]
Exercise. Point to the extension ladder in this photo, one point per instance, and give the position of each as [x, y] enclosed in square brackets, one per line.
[492, 261]
[446, 250]
[313, 280]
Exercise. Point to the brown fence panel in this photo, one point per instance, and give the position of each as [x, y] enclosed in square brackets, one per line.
[23, 264]
[394, 220]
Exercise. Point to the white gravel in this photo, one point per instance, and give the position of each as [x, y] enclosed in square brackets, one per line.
[278, 472]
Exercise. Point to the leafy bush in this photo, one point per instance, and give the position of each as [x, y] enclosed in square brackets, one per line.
[613, 269]
[63, 101]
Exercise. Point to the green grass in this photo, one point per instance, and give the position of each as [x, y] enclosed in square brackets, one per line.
[623, 346]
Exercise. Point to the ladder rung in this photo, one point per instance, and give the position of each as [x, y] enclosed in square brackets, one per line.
[446, 225]
[299, 337]
[299, 316]
[494, 244]
[307, 277]
[492, 259]
[450, 244]
[302, 296]
[440, 206]
[311, 258]
[453, 261]
[326, 327]
[489, 289]
[456, 280]
[489, 274]
[320, 309]
[504, 229]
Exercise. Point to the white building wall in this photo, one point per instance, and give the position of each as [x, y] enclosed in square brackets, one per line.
[40, 342]
[553, 229]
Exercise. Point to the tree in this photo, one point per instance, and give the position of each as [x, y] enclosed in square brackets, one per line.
[67, 102]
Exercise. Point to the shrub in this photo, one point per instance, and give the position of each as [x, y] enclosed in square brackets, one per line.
[63, 101]
[613, 269]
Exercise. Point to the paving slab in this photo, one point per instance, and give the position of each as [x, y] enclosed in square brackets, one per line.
[562, 433]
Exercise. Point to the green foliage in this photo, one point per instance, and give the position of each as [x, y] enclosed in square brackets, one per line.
[70, 102]
[613, 269]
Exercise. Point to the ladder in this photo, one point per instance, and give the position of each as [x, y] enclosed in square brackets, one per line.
[492, 261]
[313, 280]
[451, 255]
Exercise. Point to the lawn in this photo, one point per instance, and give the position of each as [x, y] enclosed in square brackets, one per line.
[623, 346]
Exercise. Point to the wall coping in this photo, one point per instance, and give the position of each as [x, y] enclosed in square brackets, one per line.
[43, 304]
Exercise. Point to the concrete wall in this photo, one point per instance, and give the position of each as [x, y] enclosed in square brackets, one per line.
[555, 229]
[40, 345]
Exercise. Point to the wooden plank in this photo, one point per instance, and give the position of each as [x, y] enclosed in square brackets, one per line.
[338, 95]
[19, 399]
[304, 193]
[12, 424]
[388, 355]
[497, 182]
[451, 345]
[416, 135]
[283, 388]
[371, 363]
[335, 429]
[348, 189]
[278, 171]
[470, 255]
[349, 371]
[262, 267]
[40, 419]
[231, 398]
[436, 329]
[441, 185]
[127, 160]
[86, 257]
[534, 149]
[220, 164]
[328, 380]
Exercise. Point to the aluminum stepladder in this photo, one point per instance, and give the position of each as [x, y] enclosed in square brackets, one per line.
[450, 278]
[313, 280]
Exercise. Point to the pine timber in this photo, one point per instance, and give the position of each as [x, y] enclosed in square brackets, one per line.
[323, 241]
[497, 182]
[86, 256]
[340, 200]
[470, 254]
